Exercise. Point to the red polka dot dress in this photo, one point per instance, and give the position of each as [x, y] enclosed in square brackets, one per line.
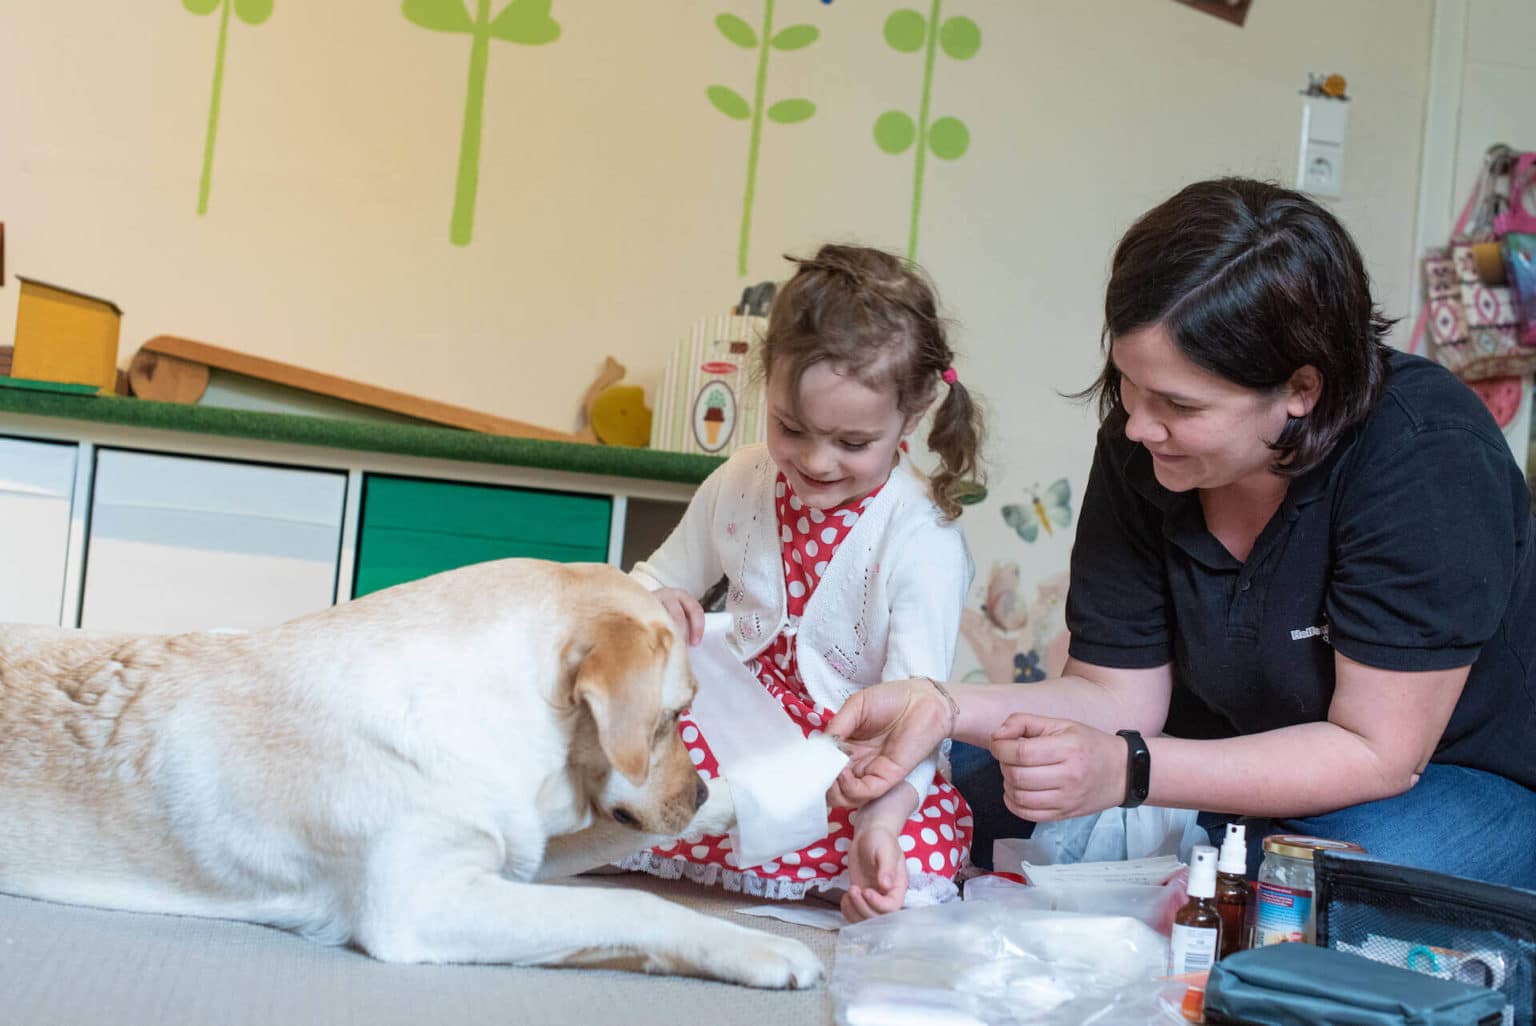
[935, 838]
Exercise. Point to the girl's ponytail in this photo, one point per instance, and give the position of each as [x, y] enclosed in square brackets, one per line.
[956, 437]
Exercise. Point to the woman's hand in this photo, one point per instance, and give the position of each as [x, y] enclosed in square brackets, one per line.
[886, 730]
[685, 610]
[1056, 769]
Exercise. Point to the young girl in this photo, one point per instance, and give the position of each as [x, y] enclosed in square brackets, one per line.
[844, 565]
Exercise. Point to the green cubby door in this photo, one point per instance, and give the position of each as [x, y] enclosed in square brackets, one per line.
[413, 528]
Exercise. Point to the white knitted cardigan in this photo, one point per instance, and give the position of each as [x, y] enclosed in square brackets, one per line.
[887, 607]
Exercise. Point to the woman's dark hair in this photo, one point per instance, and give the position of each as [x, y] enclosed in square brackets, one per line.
[874, 316]
[1252, 282]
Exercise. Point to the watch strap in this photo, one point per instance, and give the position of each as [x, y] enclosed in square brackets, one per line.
[1138, 768]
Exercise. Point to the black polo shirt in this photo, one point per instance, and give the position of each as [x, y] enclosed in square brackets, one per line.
[1409, 548]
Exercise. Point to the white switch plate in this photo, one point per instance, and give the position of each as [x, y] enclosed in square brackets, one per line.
[1320, 167]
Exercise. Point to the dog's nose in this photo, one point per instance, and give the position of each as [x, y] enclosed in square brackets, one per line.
[700, 794]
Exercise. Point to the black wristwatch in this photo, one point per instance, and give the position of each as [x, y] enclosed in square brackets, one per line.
[1138, 769]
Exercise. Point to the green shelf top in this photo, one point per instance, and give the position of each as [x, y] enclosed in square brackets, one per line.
[401, 439]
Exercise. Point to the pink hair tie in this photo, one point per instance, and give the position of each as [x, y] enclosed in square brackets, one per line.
[949, 376]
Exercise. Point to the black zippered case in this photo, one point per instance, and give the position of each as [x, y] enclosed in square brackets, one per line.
[1440, 925]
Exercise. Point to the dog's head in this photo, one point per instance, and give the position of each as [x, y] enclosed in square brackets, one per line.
[630, 683]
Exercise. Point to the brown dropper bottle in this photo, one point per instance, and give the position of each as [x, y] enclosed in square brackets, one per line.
[1232, 890]
[1197, 926]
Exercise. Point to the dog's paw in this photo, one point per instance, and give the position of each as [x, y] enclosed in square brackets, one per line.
[764, 960]
[718, 813]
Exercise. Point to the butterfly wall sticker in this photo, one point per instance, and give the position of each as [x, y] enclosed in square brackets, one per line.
[1049, 510]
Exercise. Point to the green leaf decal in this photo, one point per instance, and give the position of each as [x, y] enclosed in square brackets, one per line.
[894, 131]
[796, 37]
[961, 38]
[729, 102]
[753, 106]
[906, 30]
[898, 132]
[737, 31]
[949, 138]
[526, 22]
[439, 15]
[201, 6]
[253, 12]
[789, 112]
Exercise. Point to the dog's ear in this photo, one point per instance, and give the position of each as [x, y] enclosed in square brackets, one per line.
[620, 680]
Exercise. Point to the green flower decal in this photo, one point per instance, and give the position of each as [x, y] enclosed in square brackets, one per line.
[897, 131]
[522, 21]
[735, 106]
[252, 12]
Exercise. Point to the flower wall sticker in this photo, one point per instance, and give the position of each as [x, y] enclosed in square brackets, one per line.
[522, 21]
[733, 105]
[252, 12]
[897, 131]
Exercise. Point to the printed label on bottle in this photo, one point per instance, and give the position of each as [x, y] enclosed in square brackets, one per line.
[1282, 914]
[1191, 949]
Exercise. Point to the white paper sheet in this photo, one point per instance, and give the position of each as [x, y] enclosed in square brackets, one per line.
[800, 915]
[778, 776]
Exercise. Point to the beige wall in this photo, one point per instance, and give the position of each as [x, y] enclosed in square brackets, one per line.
[610, 191]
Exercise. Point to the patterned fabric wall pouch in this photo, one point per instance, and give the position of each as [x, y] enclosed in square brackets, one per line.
[1518, 227]
[1475, 323]
[1520, 262]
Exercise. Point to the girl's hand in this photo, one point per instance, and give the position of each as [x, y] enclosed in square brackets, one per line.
[877, 874]
[1056, 769]
[685, 610]
[886, 730]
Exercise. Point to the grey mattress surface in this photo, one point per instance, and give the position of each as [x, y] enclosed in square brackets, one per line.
[63, 965]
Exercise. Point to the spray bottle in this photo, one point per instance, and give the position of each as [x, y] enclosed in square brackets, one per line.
[1232, 891]
[1197, 926]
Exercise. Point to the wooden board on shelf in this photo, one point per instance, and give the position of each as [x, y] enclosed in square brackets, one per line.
[346, 389]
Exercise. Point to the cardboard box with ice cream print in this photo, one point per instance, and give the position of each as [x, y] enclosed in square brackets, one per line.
[708, 401]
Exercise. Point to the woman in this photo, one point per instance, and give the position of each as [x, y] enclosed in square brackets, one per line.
[1302, 572]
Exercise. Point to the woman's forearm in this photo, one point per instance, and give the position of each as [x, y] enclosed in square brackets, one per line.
[984, 707]
[1304, 770]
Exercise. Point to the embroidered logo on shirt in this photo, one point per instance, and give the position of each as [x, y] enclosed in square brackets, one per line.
[1303, 633]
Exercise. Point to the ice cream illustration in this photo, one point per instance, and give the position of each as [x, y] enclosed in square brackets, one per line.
[714, 417]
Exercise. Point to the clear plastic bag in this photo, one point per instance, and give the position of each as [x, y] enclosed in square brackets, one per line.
[1154, 905]
[993, 964]
[1115, 835]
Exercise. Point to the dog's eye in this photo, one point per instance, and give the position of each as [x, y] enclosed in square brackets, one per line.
[623, 817]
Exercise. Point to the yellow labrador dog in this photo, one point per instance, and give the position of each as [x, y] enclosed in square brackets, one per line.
[396, 772]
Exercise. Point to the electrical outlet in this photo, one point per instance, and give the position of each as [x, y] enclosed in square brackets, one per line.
[1320, 167]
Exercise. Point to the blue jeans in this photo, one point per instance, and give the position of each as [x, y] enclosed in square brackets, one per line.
[1460, 821]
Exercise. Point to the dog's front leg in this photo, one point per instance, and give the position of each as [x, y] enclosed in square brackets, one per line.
[606, 842]
[427, 903]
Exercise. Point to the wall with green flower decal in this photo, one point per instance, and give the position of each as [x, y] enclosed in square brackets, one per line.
[897, 131]
[527, 22]
[478, 200]
[251, 12]
[762, 41]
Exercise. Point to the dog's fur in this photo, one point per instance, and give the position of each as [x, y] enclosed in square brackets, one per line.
[395, 772]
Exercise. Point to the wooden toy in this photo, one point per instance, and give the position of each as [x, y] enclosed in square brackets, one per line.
[304, 379]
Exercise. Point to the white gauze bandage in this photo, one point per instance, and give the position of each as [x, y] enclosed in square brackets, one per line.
[778, 776]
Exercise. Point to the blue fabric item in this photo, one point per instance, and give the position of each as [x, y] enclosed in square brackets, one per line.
[1299, 985]
[1456, 820]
